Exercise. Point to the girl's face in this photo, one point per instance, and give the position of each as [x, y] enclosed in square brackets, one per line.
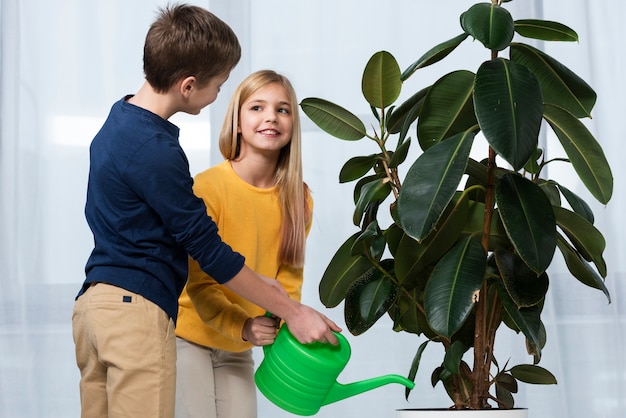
[265, 121]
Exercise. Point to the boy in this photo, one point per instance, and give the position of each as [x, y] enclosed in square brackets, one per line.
[145, 220]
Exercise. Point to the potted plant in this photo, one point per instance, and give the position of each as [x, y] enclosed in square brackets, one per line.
[468, 241]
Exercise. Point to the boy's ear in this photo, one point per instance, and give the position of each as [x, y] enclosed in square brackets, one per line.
[187, 85]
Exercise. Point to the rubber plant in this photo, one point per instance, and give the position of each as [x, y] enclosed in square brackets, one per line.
[469, 241]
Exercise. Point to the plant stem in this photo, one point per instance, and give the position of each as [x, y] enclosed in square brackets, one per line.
[482, 358]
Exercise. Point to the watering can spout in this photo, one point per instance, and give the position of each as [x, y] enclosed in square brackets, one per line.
[342, 391]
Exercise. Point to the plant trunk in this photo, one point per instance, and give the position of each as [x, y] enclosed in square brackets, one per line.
[482, 349]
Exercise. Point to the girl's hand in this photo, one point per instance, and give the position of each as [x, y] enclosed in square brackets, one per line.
[260, 330]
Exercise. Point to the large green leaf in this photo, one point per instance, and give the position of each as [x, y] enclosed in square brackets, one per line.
[333, 119]
[430, 184]
[529, 220]
[559, 84]
[585, 237]
[451, 289]
[523, 285]
[509, 107]
[527, 320]
[435, 54]
[368, 299]
[413, 257]
[343, 270]
[584, 152]
[381, 82]
[580, 269]
[448, 108]
[491, 24]
[545, 30]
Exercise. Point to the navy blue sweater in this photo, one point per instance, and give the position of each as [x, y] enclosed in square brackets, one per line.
[143, 214]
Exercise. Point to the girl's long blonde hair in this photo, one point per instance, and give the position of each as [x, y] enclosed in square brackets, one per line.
[293, 192]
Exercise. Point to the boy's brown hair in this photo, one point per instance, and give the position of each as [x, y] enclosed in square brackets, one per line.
[185, 41]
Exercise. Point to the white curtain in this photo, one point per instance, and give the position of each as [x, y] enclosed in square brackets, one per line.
[63, 64]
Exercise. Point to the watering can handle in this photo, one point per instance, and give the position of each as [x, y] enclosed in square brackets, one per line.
[271, 315]
[268, 314]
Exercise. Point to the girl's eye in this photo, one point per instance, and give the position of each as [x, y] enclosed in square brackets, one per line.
[286, 111]
[255, 108]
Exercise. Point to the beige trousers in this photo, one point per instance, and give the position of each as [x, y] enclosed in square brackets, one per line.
[126, 353]
[213, 383]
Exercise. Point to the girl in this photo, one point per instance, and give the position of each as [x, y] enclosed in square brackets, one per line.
[263, 210]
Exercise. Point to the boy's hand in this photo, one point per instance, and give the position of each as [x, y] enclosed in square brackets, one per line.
[309, 325]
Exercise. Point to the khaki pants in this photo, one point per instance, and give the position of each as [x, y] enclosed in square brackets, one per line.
[126, 353]
[213, 383]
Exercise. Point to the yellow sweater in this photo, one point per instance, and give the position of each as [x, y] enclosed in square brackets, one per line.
[249, 220]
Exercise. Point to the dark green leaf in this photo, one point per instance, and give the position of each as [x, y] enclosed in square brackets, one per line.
[477, 171]
[507, 382]
[381, 82]
[434, 55]
[415, 365]
[448, 109]
[580, 269]
[551, 190]
[522, 284]
[529, 220]
[527, 320]
[560, 86]
[504, 397]
[431, 183]
[343, 270]
[545, 30]
[356, 167]
[509, 107]
[408, 315]
[376, 190]
[450, 293]
[498, 238]
[584, 152]
[491, 24]
[529, 373]
[400, 154]
[453, 357]
[532, 165]
[578, 205]
[333, 119]
[585, 237]
[368, 298]
[365, 239]
[405, 114]
[393, 235]
[413, 257]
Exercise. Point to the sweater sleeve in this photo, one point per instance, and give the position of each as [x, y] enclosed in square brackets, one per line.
[213, 305]
[160, 175]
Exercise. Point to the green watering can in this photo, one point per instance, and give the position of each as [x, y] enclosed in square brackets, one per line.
[301, 378]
